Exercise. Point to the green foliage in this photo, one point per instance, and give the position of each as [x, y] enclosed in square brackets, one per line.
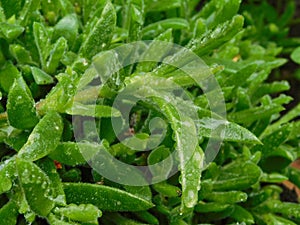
[52, 55]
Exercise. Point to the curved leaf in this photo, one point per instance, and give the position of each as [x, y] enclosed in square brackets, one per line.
[100, 36]
[104, 197]
[9, 213]
[36, 186]
[21, 106]
[44, 138]
[230, 131]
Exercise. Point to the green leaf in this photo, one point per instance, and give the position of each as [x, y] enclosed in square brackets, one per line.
[295, 56]
[140, 191]
[162, 5]
[229, 131]
[190, 155]
[155, 50]
[210, 41]
[56, 54]
[104, 197]
[85, 213]
[93, 110]
[7, 81]
[240, 214]
[147, 217]
[240, 77]
[42, 42]
[10, 31]
[290, 115]
[7, 171]
[271, 219]
[11, 7]
[155, 29]
[9, 213]
[219, 11]
[217, 37]
[101, 34]
[40, 77]
[237, 176]
[230, 197]
[58, 220]
[48, 166]
[294, 175]
[21, 106]
[273, 141]
[44, 138]
[273, 178]
[161, 155]
[251, 115]
[136, 19]
[2, 15]
[67, 27]
[36, 186]
[166, 189]
[204, 207]
[61, 96]
[20, 54]
[29, 9]
[71, 153]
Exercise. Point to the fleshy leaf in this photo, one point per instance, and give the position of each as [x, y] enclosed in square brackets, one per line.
[21, 106]
[44, 138]
[36, 187]
[231, 131]
[104, 197]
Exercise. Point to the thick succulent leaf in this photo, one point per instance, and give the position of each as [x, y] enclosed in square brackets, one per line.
[205, 44]
[44, 138]
[230, 131]
[7, 81]
[156, 50]
[42, 42]
[219, 11]
[190, 155]
[292, 114]
[237, 176]
[248, 116]
[67, 27]
[100, 36]
[273, 141]
[241, 215]
[55, 55]
[27, 13]
[154, 29]
[40, 77]
[272, 219]
[61, 96]
[204, 207]
[58, 220]
[36, 186]
[21, 106]
[92, 110]
[9, 213]
[7, 171]
[48, 166]
[10, 31]
[71, 153]
[85, 213]
[161, 5]
[295, 56]
[229, 197]
[104, 197]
